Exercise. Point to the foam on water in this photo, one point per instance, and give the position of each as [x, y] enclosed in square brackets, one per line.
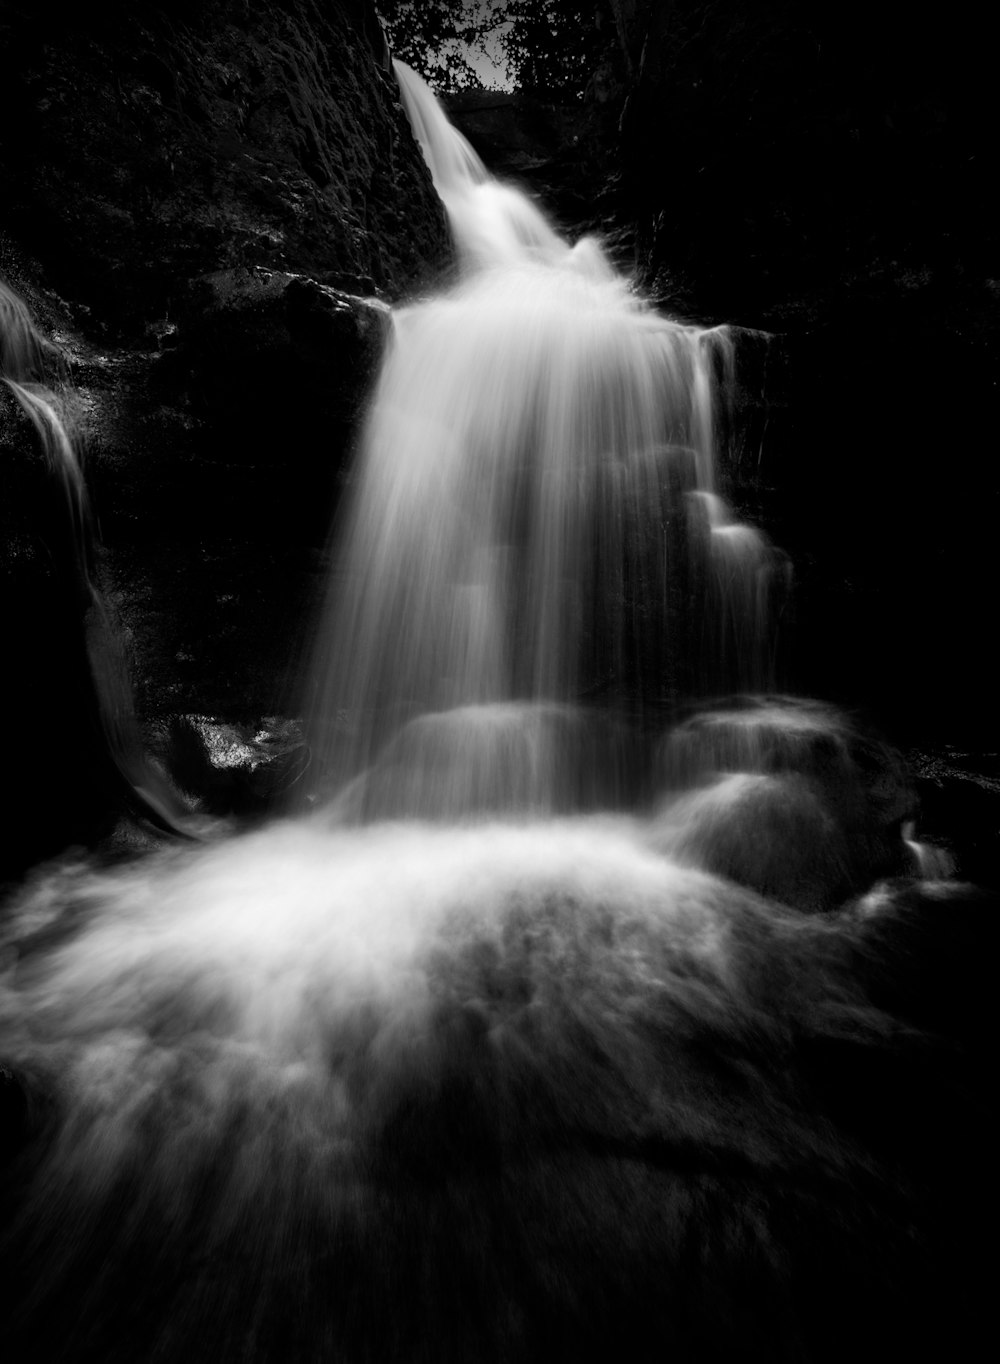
[496, 1081]
[325, 982]
[333, 968]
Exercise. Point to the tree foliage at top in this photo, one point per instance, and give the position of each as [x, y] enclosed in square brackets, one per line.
[553, 45]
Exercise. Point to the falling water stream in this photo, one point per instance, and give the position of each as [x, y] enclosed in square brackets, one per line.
[454, 1065]
[535, 517]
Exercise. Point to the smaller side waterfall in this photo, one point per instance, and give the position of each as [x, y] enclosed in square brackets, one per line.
[25, 365]
[535, 516]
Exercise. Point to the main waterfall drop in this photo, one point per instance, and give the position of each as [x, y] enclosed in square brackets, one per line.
[534, 520]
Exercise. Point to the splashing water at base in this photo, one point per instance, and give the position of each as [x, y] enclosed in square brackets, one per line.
[411, 1092]
[528, 522]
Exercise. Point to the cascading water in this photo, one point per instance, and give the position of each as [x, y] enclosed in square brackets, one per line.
[24, 364]
[524, 1089]
[535, 516]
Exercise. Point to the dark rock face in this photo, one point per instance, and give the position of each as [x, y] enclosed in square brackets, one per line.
[781, 150]
[960, 796]
[246, 329]
[202, 205]
[155, 143]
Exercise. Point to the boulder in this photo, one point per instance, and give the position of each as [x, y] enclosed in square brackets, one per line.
[787, 797]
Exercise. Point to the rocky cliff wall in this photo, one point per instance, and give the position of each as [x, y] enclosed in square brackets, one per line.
[147, 144]
[206, 207]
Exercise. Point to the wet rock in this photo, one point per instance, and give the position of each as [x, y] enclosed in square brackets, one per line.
[476, 763]
[960, 804]
[275, 367]
[234, 769]
[791, 798]
[772, 834]
[73, 761]
[791, 734]
[926, 952]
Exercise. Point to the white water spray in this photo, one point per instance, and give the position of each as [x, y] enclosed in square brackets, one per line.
[535, 515]
[315, 1094]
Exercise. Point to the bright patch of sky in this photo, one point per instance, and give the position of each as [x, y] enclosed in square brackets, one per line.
[486, 58]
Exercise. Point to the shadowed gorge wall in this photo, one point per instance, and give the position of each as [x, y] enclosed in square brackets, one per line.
[147, 144]
[774, 148]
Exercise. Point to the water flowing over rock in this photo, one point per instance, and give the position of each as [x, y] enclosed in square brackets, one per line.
[535, 513]
[98, 684]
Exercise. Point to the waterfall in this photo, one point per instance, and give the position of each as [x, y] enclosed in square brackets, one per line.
[535, 515]
[25, 365]
[646, 1083]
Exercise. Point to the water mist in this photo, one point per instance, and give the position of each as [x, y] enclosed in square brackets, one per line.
[538, 1037]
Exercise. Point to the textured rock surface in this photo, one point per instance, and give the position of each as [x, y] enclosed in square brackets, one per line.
[205, 208]
[778, 151]
[148, 144]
